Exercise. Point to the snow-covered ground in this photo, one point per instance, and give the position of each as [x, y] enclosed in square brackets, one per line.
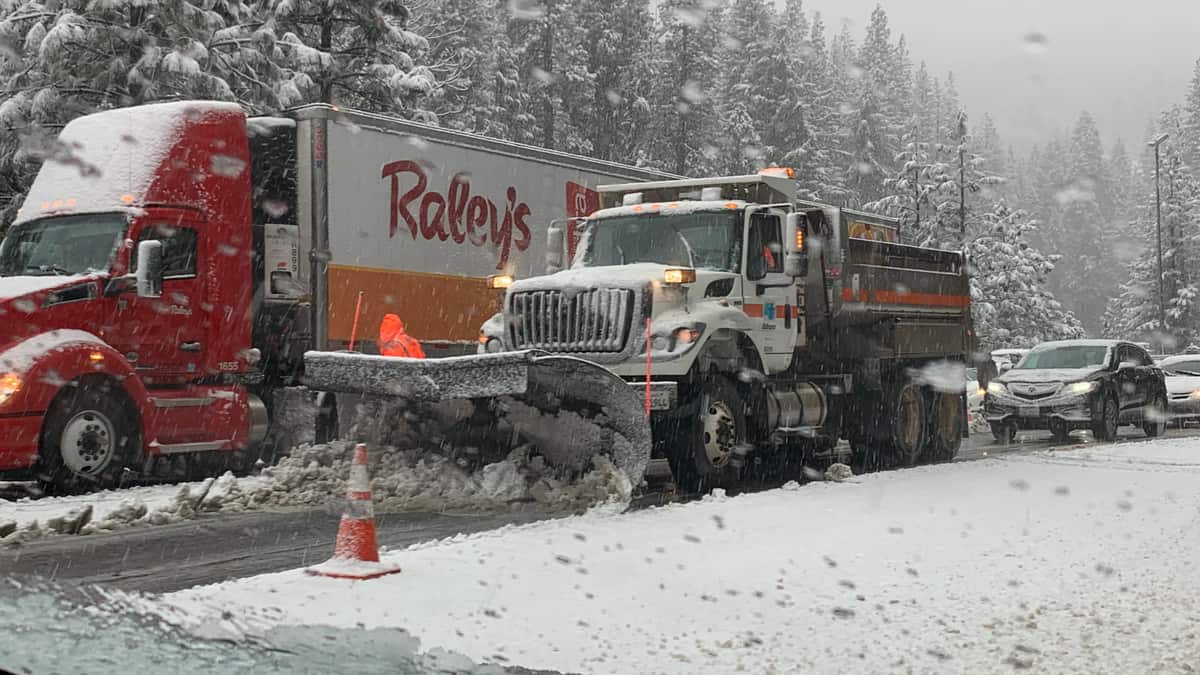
[314, 476]
[1070, 561]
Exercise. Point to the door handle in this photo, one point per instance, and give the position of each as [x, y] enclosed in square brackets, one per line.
[189, 347]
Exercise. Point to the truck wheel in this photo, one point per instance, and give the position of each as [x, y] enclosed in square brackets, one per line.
[89, 438]
[1155, 423]
[716, 435]
[909, 418]
[1105, 429]
[948, 424]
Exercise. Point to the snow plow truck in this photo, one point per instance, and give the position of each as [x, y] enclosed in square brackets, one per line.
[173, 263]
[754, 325]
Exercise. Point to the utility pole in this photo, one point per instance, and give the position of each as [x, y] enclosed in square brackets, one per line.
[962, 189]
[1162, 304]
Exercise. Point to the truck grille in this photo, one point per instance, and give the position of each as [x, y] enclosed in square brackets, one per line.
[593, 321]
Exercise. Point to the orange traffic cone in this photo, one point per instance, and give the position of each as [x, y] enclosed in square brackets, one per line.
[356, 553]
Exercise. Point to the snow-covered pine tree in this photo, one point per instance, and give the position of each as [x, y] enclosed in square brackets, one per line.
[616, 41]
[684, 127]
[468, 54]
[874, 116]
[547, 39]
[358, 53]
[755, 81]
[73, 57]
[1010, 302]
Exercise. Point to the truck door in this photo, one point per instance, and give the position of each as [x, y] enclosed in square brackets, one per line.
[769, 294]
[164, 336]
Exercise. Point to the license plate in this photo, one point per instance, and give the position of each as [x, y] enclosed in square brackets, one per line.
[1030, 411]
[660, 399]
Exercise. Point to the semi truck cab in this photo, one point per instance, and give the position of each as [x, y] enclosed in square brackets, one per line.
[126, 297]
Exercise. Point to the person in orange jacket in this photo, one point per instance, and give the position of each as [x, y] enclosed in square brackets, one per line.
[393, 341]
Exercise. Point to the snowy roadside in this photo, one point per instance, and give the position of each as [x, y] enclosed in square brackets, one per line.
[1056, 561]
[314, 476]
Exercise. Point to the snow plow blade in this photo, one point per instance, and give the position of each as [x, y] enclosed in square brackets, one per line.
[570, 410]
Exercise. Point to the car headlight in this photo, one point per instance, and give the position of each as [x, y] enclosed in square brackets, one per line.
[1196, 393]
[10, 383]
[980, 392]
[996, 388]
[1083, 387]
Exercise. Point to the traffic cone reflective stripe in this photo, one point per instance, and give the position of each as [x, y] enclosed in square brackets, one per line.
[356, 552]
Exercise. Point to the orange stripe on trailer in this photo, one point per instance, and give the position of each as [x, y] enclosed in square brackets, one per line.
[928, 299]
[908, 298]
[753, 311]
[433, 306]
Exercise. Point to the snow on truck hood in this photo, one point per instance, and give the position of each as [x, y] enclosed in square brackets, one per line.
[1048, 375]
[636, 275]
[18, 286]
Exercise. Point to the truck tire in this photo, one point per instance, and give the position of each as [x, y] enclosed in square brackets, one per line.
[707, 454]
[908, 422]
[1105, 429]
[89, 438]
[948, 423]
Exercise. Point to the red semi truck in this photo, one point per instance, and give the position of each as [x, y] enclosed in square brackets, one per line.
[173, 262]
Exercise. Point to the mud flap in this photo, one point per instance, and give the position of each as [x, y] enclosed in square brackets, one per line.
[569, 409]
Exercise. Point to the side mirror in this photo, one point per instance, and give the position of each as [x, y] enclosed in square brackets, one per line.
[149, 268]
[795, 253]
[1127, 364]
[555, 245]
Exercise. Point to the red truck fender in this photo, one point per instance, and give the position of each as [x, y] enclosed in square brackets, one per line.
[50, 361]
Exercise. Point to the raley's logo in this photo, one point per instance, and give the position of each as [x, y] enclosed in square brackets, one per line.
[458, 214]
[581, 202]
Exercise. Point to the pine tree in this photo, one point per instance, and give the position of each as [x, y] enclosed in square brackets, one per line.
[1010, 303]
[551, 61]
[616, 41]
[468, 51]
[684, 126]
[357, 53]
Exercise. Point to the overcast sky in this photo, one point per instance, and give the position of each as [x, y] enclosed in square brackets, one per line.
[1122, 60]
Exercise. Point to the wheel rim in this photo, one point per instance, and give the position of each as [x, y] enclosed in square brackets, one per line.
[87, 443]
[720, 432]
[909, 418]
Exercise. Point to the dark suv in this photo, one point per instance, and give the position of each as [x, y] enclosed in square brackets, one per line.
[1078, 384]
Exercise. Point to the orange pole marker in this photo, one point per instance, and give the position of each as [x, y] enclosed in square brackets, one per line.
[647, 367]
[354, 327]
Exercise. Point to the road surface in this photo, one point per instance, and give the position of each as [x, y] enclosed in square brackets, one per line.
[219, 547]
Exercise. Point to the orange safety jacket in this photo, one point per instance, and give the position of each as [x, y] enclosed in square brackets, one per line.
[393, 341]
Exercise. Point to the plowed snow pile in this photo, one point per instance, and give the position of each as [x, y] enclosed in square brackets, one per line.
[413, 480]
[408, 473]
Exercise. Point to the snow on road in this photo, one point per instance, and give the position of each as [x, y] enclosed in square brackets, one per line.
[1060, 561]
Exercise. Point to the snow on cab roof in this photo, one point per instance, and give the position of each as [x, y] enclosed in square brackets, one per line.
[100, 158]
[681, 207]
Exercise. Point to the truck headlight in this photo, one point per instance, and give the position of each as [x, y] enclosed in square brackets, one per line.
[996, 388]
[1083, 387]
[1195, 393]
[10, 383]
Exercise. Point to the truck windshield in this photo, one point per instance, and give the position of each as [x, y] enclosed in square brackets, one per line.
[705, 240]
[61, 245]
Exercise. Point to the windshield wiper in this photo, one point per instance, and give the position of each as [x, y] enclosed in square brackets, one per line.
[686, 245]
[48, 269]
